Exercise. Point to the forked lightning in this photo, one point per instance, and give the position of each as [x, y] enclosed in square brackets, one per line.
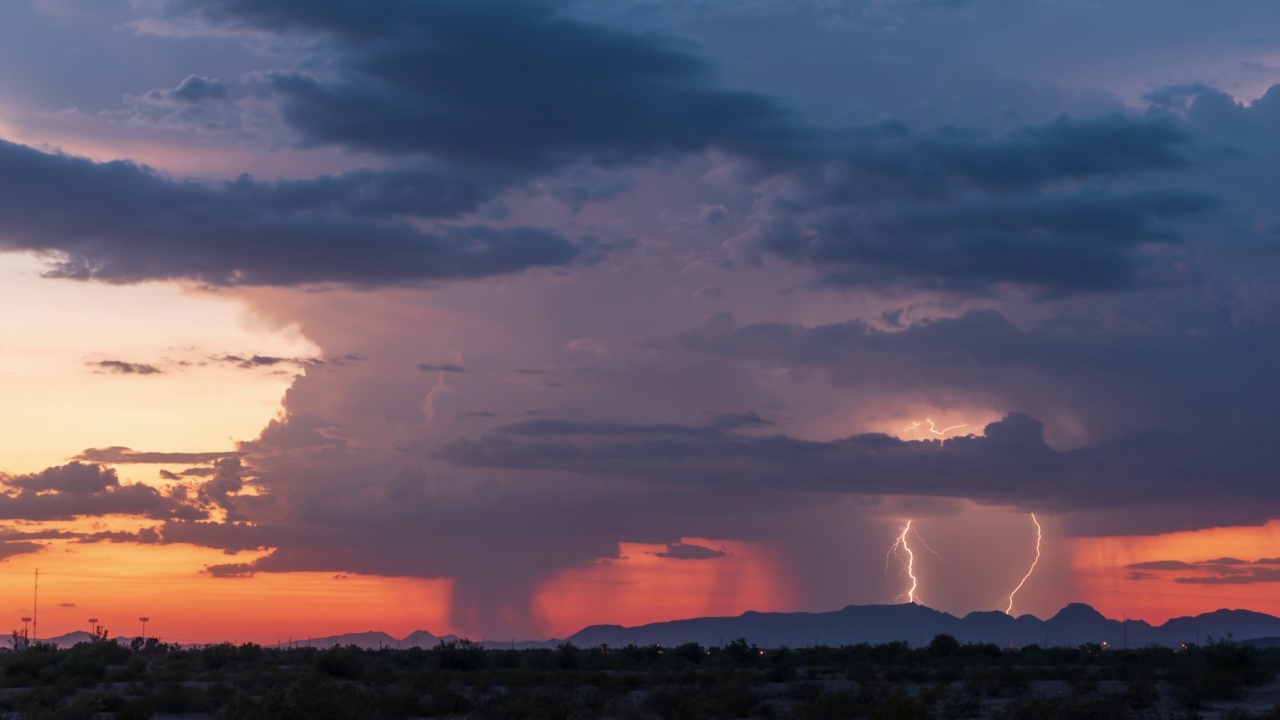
[1039, 536]
[899, 547]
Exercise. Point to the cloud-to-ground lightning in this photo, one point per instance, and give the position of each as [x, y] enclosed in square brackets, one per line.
[899, 547]
[1039, 537]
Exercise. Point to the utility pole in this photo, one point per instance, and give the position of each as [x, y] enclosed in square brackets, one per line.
[144, 620]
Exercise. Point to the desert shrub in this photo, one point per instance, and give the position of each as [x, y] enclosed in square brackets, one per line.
[1110, 707]
[689, 652]
[445, 701]
[82, 667]
[460, 655]
[394, 703]
[176, 698]
[340, 662]
[944, 645]
[675, 702]
[732, 699]
[899, 706]
[568, 656]
[830, 706]
[242, 707]
[958, 705]
[316, 697]
[1142, 693]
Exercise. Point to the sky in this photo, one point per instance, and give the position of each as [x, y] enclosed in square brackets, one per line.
[508, 317]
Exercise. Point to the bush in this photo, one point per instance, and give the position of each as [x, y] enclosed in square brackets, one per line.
[340, 662]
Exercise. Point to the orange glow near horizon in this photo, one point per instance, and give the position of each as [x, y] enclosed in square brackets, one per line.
[117, 583]
[57, 403]
[1101, 566]
[640, 587]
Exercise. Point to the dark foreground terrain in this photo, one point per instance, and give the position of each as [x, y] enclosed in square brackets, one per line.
[945, 679]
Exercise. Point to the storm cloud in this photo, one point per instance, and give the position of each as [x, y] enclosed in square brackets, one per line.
[643, 274]
[84, 490]
[133, 224]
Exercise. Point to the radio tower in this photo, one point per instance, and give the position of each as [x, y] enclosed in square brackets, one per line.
[35, 607]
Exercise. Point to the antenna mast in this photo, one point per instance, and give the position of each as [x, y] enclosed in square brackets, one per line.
[35, 606]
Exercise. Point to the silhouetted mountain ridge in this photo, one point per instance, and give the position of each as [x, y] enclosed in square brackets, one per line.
[371, 640]
[1076, 624]
[1073, 625]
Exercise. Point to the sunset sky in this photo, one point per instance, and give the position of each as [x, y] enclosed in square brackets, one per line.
[507, 317]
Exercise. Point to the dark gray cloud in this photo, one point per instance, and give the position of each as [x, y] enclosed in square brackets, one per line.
[504, 84]
[1162, 565]
[1010, 463]
[1081, 241]
[231, 537]
[194, 89]
[231, 570]
[1219, 571]
[121, 367]
[219, 491]
[133, 224]
[78, 490]
[1065, 207]
[1245, 576]
[716, 454]
[75, 478]
[447, 367]
[122, 455]
[716, 427]
[607, 97]
[473, 99]
[689, 551]
[143, 536]
[890, 158]
[10, 549]
[1111, 376]
[266, 361]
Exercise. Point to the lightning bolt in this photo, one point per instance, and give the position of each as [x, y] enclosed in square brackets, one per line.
[933, 428]
[943, 431]
[1039, 536]
[896, 550]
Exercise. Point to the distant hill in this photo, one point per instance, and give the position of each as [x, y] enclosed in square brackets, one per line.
[1266, 642]
[71, 638]
[371, 640]
[1076, 624]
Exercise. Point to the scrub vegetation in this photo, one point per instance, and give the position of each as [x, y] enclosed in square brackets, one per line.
[944, 679]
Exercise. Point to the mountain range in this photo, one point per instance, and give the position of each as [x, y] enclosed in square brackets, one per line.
[1076, 624]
